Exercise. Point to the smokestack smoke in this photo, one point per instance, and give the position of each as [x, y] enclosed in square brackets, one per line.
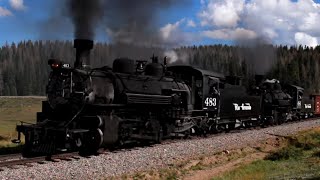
[85, 15]
[126, 21]
[132, 26]
[137, 22]
[258, 53]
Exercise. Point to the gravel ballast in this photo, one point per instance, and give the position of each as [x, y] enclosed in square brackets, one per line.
[130, 161]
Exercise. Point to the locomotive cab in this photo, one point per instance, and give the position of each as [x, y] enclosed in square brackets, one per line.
[205, 86]
[302, 105]
[296, 93]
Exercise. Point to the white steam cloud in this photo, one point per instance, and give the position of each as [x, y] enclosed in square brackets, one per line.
[172, 55]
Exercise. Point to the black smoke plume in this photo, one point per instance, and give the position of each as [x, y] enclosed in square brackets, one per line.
[258, 53]
[85, 15]
[133, 22]
[132, 26]
[137, 22]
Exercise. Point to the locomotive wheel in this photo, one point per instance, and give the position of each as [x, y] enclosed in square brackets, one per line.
[92, 142]
[280, 121]
[226, 128]
[231, 126]
[215, 128]
[95, 138]
[281, 118]
[275, 118]
[159, 136]
[272, 121]
[187, 134]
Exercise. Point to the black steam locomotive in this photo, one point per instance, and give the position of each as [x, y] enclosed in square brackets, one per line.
[136, 101]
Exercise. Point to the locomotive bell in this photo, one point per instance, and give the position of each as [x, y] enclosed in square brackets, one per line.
[83, 47]
[154, 69]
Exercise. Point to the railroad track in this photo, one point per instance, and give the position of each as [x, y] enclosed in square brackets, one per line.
[15, 161]
[7, 157]
[28, 162]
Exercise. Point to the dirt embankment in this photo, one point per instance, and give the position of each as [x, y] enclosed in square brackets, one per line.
[214, 165]
[217, 164]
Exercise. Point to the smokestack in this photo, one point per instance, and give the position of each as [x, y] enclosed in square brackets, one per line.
[83, 47]
[259, 78]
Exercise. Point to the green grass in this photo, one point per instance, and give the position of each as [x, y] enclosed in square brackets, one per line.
[300, 159]
[14, 110]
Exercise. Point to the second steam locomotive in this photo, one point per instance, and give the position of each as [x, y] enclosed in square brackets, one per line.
[136, 101]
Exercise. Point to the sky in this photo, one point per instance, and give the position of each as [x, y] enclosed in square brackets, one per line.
[202, 22]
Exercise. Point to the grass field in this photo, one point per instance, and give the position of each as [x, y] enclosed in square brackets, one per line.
[12, 111]
[300, 159]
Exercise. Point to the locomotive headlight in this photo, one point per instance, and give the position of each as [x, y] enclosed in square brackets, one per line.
[55, 66]
[54, 63]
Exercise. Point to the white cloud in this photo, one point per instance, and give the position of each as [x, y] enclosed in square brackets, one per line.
[5, 12]
[173, 35]
[191, 23]
[17, 4]
[282, 17]
[230, 34]
[311, 23]
[305, 39]
[222, 13]
[280, 21]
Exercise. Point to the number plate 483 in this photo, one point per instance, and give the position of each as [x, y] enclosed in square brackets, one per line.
[210, 101]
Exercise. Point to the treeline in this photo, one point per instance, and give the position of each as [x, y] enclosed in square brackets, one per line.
[24, 69]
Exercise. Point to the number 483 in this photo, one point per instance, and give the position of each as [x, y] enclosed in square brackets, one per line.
[210, 101]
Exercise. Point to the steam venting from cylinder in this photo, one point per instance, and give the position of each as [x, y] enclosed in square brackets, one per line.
[83, 47]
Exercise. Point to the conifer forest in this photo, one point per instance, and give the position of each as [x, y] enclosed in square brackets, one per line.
[24, 69]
